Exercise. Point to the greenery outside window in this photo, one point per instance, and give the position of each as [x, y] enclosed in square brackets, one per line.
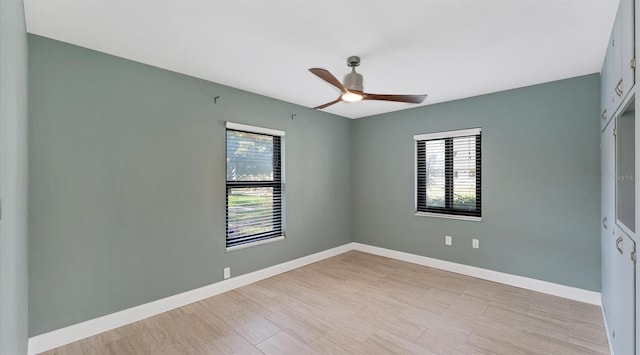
[448, 173]
[254, 193]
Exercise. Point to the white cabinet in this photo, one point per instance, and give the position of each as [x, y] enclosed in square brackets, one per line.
[627, 48]
[618, 70]
[604, 95]
[614, 65]
[610, 76]
[618, 182]
[621, 318]
[617, 230]
[618, 227]
[625, 199]
[607, 225]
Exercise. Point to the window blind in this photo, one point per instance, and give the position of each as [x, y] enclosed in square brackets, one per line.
[254, 187]
[448, 173]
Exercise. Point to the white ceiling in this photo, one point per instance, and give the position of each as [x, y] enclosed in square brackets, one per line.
[448, 49]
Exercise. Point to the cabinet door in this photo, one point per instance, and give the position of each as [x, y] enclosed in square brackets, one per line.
[611, 74]
[604, 98]
[613, 62]
[626, 168]
[607, 239]
[627, 52]
[622, 324]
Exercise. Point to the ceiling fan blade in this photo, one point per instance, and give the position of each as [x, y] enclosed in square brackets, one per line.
[413, 99]
[325, 75]
[328, 103]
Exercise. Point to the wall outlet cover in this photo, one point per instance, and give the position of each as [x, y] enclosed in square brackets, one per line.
[227, 272]
[448, 240]
[475, 243]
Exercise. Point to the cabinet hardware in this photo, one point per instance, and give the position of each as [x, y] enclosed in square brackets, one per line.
[633, 256]
[615, 131]
[618, 242]
[633, 63]
[604, 114]
[604, 222]
[617, 89]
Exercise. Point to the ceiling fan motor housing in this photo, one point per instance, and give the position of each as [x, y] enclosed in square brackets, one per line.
[353, 82]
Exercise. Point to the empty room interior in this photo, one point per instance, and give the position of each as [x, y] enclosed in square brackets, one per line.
[335, 177]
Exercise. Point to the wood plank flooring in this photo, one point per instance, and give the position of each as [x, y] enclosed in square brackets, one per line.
[358, 303]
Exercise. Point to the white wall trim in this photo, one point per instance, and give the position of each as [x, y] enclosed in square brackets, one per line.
[448, 216]
[66, 335]
[448, 134]
[63, 336]
[255, 244]
[254, 129]
[573, 293]
[606, 330]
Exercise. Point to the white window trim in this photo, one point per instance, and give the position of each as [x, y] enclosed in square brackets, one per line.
[254, 129]
[255, 244]
[272, 132]
[448, 134]
[449, 216]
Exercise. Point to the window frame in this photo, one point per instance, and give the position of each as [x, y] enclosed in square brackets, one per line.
[420, 206]
[277, 185]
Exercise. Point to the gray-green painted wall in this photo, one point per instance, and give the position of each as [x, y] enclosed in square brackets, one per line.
[13, 179]
[541, 182]
[127, 183]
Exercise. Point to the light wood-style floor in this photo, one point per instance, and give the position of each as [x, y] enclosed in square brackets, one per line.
[358, 303]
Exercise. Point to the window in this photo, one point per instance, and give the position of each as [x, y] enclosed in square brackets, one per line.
[254, 185]
[448, 173]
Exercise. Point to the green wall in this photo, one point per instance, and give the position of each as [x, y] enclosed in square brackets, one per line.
[127, 183]
[13, 179]
[541, 182]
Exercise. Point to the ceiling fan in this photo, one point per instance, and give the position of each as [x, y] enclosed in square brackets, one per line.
[352, 90]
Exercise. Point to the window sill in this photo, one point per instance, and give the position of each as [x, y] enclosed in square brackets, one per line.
[449, 216]
[254, 244]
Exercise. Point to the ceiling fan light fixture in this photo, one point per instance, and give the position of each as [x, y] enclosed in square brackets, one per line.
[351, 97]
[351, 89]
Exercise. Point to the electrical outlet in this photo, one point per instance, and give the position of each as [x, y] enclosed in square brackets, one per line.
[448, 240]
[475, 243]
[227, 272]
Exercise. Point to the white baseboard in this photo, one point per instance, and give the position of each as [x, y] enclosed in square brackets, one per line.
[606, 329]
[66, 335]
[63, 336]
[550, 288]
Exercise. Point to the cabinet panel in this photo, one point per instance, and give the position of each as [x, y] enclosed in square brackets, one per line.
[604, 115]
[625, 168]
[627, 46]
[610, 76]
[618, 195]
[607, 225]
[622, 320]
[614, 72]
